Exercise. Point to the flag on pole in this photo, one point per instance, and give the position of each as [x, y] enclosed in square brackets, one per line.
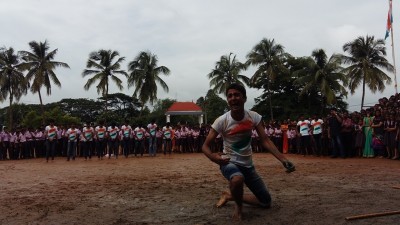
[389, 20]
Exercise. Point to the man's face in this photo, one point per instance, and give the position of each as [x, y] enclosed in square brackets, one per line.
[235, 99]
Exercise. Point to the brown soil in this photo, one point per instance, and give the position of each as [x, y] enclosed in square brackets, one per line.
[183, 189]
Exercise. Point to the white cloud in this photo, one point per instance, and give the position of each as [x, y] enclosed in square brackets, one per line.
[187, 36]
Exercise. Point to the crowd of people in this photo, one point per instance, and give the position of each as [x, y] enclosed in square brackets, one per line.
[372, 132]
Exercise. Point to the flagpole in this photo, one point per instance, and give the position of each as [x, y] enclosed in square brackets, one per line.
[394, 59]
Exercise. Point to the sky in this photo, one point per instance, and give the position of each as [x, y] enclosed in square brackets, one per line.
[188, 36]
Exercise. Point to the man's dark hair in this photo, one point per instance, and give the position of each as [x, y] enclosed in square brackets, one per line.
[237, 87]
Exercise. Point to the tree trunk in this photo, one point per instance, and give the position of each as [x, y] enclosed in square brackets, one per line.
[42, 107]
[270, 102]
[363, 94]
[10, 92]
[10, 122]
[323, 106]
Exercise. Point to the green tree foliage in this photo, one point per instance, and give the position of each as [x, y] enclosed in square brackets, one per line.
[322, 77]
[159, 110]
[40, 65]
[104, 66]
[366, 59]
[12, 80]
[227, 71]
[87, 110]
[269, 59]
[144, 75]
[212, 105]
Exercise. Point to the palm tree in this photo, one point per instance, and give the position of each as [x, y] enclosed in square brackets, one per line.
[227, 71]
[366, 59]
[269, 57]
[40, 66]
[12, 81]
[324, 76]
[144, 75]
[104, 65]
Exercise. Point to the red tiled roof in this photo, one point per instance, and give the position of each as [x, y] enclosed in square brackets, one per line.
[184, 106]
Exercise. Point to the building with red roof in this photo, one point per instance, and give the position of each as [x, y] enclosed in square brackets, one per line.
[184, 108]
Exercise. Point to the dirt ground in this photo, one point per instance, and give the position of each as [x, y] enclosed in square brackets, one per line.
[183, 189]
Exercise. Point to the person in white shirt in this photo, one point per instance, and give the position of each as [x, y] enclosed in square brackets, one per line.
[151, 129]
[167, 137]
[316, 124]
[126, 132]
[304, 131]
[101, 144]
[113, 137]
[72, 135]
[50, 133]
[87, 144]
[140, 134]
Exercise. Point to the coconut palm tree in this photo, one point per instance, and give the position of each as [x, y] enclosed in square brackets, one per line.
[227, 71]
[366, 60]
[40, 66]
[269, 57]
[104, 65]
[12, 80]
[144, 75]
[323, 76]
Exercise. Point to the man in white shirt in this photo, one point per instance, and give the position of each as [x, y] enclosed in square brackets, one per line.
[236, 162]
[317, 134]
[151, 128]
[303, 126]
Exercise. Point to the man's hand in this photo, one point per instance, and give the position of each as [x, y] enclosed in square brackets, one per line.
[289, 166]
[220, 158]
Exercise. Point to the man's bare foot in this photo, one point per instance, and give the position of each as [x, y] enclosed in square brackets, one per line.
[225, 197]
[237, 214]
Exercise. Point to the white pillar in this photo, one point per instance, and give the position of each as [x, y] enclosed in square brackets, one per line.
[168, 118]
[201, 119]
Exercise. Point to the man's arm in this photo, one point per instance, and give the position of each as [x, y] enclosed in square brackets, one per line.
[269, 145]
[215, 157]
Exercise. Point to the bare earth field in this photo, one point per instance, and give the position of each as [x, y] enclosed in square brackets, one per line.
[183, 189]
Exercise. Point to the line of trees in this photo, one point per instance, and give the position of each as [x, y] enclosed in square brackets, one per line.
[313, 82]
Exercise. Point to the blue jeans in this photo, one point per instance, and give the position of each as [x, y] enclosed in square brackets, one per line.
[152, 146]
[337, 145]
[167, 146]
[50, 149]
[125, 146]
[252, 180]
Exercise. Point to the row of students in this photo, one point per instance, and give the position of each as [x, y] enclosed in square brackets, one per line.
[99, 140]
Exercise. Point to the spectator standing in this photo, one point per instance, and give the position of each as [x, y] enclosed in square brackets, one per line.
[101, 144]
[126, 131]
[72, 135]
[390, 129]
[87, 140]
[335, 124]
[51, 140]
[285, 142]
[140, 134]
[367, 122]
[347, 135]
[303, 127]
[151, 127]
[378, 129]
[316, 125]
[112, 139]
